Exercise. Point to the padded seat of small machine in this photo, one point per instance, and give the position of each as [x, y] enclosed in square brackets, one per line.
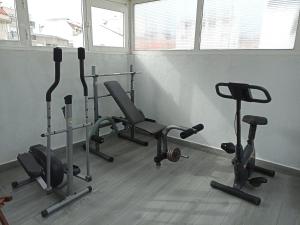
[30, 165]
[255, 120]
[150, 127]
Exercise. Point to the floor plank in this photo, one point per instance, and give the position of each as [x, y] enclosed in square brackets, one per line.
[132, 191]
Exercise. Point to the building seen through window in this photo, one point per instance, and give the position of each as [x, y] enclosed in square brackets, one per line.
[8, 21]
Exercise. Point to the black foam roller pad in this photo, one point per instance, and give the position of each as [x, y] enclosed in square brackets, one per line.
[198, 127]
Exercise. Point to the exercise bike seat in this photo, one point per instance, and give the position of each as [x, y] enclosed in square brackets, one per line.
[255, 120]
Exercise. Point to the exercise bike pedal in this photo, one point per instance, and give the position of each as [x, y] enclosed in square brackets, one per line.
[257, 181]
[228, 147]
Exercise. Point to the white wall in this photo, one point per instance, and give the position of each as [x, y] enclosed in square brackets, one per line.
[25, 77]
[179, 88]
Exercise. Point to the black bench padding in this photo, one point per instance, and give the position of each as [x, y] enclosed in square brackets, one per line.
[132, 114]
[150, 127]
[128, 108]
[30, 165]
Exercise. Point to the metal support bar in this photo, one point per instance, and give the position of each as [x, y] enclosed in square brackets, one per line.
[66, 201]
[113, 74]
[69, 149]
[87, 142]
[48, 151]
[108, 95]
[64, 130]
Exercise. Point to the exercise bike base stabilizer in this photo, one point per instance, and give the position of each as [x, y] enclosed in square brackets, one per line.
[244, 160]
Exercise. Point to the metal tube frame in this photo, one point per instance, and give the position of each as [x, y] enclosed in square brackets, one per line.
[69, 148]
[48, 151]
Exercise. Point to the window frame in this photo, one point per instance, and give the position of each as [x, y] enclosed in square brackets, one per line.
[50, 48]
[22, 22]
[117, 6]
[238, 50]
[197, 28]
[198, 32]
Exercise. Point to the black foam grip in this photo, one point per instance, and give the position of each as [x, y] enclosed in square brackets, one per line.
[81, 57]
[57, 54]
[199, 127]
[185, 134]
[68, 99]
[81, 53]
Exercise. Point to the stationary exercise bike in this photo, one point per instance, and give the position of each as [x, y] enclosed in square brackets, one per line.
[244, 160]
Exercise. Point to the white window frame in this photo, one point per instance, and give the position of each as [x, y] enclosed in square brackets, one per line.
[49, 48]
[243, 50]
[197, 29]
[118, 6]
[22, 24]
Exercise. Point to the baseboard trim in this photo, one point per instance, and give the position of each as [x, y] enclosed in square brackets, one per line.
[274, 166]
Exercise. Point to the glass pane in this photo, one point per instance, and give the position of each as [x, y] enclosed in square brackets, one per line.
[244, 24]
[108, 27]
[56, 23]
[8, 20]
[165, 24]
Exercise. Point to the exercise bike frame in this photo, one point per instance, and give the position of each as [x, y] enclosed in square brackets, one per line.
[244, 160]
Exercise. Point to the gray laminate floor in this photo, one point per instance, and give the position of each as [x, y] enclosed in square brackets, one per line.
[132, 191]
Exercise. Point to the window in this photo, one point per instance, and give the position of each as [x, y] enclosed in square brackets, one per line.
[244, 24]
[165, 25]
[8, 21]
[56, 23]
[108, 28]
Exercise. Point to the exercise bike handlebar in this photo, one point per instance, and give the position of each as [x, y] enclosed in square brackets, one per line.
[241, 91]
[81, 57]
[189, 132]
[267, 94]
[220, 93]
[57, 57]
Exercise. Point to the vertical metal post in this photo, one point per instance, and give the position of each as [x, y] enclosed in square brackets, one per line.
[239, 148]
[132, 130]
[95, 90]
[69, 128]
[132, 84]
[96, 103]
[48, 146]
[87, 140]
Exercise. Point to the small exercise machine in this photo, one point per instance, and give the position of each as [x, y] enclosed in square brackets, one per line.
[100, 121]
[136, 119]
[41, 165]
[244, 160]
[3, 200]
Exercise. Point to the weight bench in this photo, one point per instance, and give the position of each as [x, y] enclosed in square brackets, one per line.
[136, 119]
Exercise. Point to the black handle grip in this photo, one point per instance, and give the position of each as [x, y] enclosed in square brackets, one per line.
[81, 57]
[57, 54]
[68, 99]
[189, 132]
[198, 127]
[57, 57]
[267, 94]
[185, 134]
[220, 93]
[81, 53]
